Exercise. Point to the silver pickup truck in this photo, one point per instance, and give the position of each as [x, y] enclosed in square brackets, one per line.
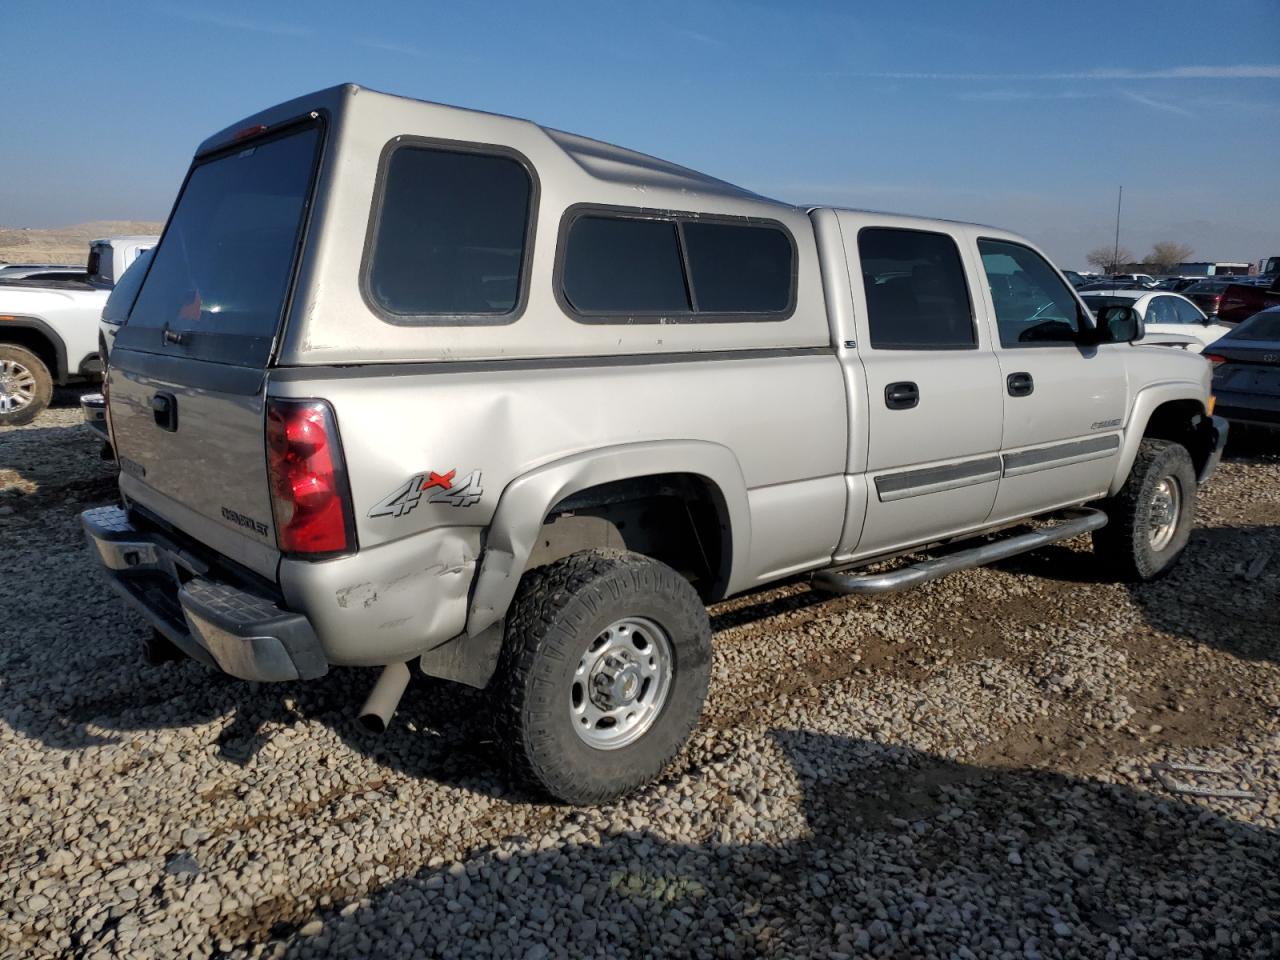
[409, 386]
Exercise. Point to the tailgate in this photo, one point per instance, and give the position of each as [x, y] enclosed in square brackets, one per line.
[189, 437]
[186, 384]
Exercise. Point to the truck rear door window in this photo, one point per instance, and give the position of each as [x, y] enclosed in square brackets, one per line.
[917, 297]
[451, 236]
[220, 276]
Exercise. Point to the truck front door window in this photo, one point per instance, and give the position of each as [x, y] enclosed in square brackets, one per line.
[1033, 304]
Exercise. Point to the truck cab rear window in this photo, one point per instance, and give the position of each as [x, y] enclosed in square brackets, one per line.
[449, 243]
[618, 268]
[917, 298]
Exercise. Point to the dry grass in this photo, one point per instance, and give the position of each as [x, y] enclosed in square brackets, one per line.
[64, 244]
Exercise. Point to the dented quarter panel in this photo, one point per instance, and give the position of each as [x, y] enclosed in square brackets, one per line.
[386, 603]
[577, 426]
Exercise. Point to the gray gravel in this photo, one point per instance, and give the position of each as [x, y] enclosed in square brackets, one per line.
[964, 771]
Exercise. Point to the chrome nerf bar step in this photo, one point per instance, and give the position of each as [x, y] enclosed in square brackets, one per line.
[845, 580]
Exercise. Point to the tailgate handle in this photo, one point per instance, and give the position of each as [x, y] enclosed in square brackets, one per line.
[165, 408]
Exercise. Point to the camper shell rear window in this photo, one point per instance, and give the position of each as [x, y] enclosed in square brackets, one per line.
[220, 278]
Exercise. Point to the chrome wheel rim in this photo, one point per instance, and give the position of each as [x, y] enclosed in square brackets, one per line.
[621, 683]
[1166, 504]
[17, 386]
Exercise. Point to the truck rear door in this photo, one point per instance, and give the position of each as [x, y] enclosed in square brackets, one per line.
[186, 384]
[933, 393]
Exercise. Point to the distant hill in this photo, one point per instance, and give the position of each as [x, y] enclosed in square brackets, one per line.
[64, 244]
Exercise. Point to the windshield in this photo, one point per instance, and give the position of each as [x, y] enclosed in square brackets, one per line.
[219, 279]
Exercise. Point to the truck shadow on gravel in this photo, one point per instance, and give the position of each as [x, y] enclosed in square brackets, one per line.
[893, 851]
[1222, 593]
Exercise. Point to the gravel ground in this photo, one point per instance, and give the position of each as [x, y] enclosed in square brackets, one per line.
[961, 771]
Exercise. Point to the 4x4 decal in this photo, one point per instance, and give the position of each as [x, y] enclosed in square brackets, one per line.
[459, 493]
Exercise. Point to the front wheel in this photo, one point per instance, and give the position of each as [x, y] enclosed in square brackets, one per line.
[604, 672]
[25, 385]
[1150, 519]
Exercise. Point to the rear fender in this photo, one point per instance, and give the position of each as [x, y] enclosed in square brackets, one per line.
[526, 501]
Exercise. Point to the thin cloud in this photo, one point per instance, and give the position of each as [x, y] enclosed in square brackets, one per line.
[1155, 104]
[698, 37]
[274, 28]
[1014, 96]
[391, 46]
[1242, 71]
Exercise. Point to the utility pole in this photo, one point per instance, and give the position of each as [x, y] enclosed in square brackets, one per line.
[1115, 255]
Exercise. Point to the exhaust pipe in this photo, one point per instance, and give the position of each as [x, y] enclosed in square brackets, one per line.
[385, 696]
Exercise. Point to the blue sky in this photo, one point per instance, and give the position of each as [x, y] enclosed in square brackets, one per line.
[1022, 114]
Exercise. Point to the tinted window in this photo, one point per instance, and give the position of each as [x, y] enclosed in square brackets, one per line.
[124, 292]
[739, 268]
[223, 269]
[1261, 326]
[450, 237]
[1161, 310]
[626, 266]
[917, 298]
[1187, 311]
[1033, 304]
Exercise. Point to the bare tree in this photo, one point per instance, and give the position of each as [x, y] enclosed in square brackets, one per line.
[1108, 259]
[1167, 254]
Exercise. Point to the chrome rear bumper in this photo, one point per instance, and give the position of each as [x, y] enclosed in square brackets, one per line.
[218, 623]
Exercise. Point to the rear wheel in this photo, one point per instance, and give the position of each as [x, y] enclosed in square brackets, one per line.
[1149, 521]
[25, 385]
[603, 676]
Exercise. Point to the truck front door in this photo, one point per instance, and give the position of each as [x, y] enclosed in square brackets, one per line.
[1064, 402]
[932, 403]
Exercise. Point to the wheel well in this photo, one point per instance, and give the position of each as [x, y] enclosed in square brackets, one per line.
[1179, 421]
[35, 341]
[679, 519]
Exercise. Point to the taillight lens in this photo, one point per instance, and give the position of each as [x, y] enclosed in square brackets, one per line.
[309, 495]
[1214, 358]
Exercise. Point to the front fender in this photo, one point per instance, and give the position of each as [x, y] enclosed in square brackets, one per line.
[1145, 403]
[525, 502]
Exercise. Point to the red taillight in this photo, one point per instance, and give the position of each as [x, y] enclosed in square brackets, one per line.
[1214, 358]
[248, 132]
[309, 496]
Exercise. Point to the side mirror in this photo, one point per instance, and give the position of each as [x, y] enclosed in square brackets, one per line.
[1120, 324]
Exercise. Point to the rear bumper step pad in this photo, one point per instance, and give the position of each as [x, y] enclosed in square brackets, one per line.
[217, 623]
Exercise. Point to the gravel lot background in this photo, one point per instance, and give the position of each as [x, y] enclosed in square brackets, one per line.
[961, 771]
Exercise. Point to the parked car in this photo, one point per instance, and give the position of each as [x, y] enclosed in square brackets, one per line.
[517, 420]
[1246, 373]
[1207, 295]
[1240, 300]
[41, 271]
[1176, 284]
[1139, 279]
[93, 406]
[1110, 285]
[1075, 279]
[49, 328]
[1162, 313]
